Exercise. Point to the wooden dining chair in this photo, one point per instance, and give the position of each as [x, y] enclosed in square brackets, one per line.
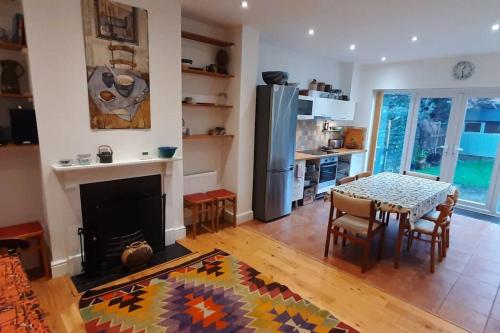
[354, 220]
[433, 215]
[363, 175]
[421, 175]
[346, 180]
[434, 231]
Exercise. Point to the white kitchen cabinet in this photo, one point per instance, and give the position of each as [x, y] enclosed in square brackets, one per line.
[356, 164]
[299, 173]
[334, 109]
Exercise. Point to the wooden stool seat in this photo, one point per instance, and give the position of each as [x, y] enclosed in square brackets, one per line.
[201, 206]
[27, 231]
[221, 196]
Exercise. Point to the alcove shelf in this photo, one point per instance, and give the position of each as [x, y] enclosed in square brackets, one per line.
[206, 137]
[12, 46]
[210, 106]
[205, 73]
[205, 39]
[18, 96]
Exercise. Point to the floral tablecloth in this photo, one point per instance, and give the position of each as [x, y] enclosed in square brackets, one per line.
[398, 193]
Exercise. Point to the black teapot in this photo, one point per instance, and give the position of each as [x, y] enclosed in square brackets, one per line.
[9, 80]
[105, 154]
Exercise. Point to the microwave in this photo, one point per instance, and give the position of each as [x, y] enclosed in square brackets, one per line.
[306, 107]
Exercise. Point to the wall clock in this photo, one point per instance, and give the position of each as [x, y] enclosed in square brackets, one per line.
[463, 70]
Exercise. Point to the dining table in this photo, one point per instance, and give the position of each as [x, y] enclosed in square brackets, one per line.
[410, 196]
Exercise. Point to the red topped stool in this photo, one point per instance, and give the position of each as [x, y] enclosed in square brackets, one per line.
[28, 231]
[222, 197]
[201, 206]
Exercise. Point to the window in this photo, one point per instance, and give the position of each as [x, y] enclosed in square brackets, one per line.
[492, 127]
[472, 127]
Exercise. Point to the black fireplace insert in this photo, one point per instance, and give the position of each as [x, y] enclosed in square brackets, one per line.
[116, 213]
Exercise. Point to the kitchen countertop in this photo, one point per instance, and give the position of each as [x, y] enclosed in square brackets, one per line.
[339, 152]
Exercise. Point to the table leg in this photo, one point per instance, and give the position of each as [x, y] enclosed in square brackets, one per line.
[402, 225]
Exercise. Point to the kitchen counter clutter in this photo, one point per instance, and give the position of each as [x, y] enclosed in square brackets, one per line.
[299, 156]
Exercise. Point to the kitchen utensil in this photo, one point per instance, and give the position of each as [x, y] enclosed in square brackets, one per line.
[275, 77]
[313, 85]
[124, 84]
[335, 143]
[112, 72]
[166, 152]
[66, 162]
[321, 86]
[328, 87]
[84, 159]
[105, 154]
[9, 80]
[212, 68]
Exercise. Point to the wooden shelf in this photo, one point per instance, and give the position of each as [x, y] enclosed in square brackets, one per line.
[19, 96]
[12, 46]
[205, 73]
[206, 137]
[14, 147]
[205, 39]
[215, 106]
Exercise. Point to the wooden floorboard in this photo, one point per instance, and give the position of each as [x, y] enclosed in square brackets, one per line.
[347, 297]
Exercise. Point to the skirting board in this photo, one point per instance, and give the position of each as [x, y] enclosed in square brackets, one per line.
[72, 264]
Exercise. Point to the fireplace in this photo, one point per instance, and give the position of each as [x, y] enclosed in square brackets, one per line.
[117, 213]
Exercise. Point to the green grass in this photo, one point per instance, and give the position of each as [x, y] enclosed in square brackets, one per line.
[469, 173]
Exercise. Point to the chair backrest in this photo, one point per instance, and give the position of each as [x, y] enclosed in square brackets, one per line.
[363, 175]
[353, 206]
[346, 180]
[445, 210]
[455, 196]
[421, 175]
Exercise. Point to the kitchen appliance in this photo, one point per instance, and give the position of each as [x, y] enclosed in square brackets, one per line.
[306, 108]
[275, 129]
[9, 80]
[327, 173]
[23, 126]
[105, 154]
[336, 143]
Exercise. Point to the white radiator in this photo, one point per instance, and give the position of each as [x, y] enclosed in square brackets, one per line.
[200, 182]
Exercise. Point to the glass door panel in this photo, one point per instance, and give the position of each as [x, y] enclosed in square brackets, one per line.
[430, 134]
[478, 150]
[392, 132]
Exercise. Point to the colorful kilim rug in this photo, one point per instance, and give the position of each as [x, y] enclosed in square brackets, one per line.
[212, 293]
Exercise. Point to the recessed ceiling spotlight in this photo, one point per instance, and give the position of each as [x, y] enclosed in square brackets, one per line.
[495, 27]
[311, 32]
[244, 4]
[414, 38]
[352, 47]
[383, 58]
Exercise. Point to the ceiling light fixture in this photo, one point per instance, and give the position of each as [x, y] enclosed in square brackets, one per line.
[383, 59]
[352, 47]
[414, 38]
[495, 27]
[311, 32]
[244, 4]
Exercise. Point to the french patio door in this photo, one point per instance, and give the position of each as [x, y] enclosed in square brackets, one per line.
[456, 136]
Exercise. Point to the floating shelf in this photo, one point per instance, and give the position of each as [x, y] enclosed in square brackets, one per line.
[205, 39]
[205, 73]
[19, 96]
[12, 46]
[206, 137]
[214, 106]
[59, 168]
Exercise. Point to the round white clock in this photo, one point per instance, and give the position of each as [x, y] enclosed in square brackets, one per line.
[463, 70]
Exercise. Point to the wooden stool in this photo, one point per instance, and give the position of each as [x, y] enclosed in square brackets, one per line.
[28, 231]
[221, 197]
[200, 205]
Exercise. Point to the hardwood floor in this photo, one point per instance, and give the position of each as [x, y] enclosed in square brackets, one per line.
[347, 297]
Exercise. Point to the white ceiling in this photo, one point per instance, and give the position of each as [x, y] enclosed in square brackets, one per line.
[377, 27]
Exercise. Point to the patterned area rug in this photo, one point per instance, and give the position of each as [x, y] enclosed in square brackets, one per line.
[212, 293]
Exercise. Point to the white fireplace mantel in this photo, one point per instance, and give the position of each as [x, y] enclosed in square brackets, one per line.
[59, 168]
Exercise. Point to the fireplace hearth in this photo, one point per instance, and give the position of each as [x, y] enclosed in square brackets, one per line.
[117, 213]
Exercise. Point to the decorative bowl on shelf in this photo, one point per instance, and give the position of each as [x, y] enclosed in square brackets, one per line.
[166, 152]
[275, 77]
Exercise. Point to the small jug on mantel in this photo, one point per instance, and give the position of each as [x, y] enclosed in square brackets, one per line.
[105, 154]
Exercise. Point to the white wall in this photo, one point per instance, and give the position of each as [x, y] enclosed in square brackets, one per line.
[301, 67]
[423, 74]
[57, 61]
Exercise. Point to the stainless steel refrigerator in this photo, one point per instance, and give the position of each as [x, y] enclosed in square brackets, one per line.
[275, 127]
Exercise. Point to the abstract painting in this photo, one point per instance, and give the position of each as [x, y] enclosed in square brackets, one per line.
[117, 58]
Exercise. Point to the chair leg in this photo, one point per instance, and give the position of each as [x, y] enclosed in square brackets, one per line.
[440, 248]
[448, 237]
[388, 215]
[328, 236]
[366, 255]
[410, 240]
[381, 244]
[336, 235]
[194, 210]
[235, 205]
[217, 215]
[344, 233]
[433, 254]
[44, 257]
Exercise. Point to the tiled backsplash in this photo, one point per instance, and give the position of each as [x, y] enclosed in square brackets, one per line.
[310, 134]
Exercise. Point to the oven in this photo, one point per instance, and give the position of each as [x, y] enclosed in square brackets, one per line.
[327, 173]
